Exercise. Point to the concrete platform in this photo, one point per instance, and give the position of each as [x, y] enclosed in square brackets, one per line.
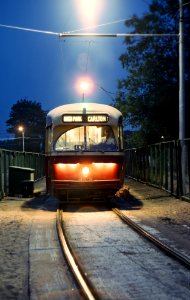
[49, 275]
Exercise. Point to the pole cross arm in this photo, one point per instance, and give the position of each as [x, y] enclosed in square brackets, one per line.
[67, 34]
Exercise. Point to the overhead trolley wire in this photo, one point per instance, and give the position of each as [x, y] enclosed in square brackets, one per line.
[29, 29]
[58, 33]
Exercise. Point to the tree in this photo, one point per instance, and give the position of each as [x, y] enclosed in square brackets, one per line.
[30, 115]
[149, 95]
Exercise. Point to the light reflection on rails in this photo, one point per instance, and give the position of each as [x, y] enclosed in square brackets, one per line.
[85, 287]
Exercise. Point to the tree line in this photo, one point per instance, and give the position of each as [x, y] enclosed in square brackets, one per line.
[148, 96]
[30, 115]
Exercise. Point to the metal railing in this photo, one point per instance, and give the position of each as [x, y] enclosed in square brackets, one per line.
[166, 165]
[8, 158]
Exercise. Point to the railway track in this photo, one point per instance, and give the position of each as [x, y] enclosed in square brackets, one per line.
[88, 284]
[182, 259]
[84, 284]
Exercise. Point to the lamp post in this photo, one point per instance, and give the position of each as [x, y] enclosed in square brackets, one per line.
[21, 129]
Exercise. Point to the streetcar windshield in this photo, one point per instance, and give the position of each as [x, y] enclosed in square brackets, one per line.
[87, 138]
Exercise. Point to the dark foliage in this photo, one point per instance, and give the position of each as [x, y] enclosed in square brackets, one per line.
[149, 94]
[30, 115]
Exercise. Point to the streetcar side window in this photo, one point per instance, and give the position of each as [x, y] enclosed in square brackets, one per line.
[48, 139]
[121, 137]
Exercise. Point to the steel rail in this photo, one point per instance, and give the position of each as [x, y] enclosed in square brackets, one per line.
[75, 268]
[168, 250]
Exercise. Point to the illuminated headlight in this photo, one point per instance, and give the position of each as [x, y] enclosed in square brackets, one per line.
[85, 171]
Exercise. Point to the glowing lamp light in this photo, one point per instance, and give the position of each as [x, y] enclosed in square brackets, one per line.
[21, 128]
[89, 10]
[84, 86]
[85, 171]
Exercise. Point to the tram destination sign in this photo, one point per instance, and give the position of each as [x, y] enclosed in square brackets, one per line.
[85, 118]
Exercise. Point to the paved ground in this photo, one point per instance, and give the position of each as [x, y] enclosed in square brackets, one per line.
[152, 208]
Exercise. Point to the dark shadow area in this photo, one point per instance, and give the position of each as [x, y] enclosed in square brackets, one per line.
[44, 202]
[127, 203]
[84, 207]
[82, 202]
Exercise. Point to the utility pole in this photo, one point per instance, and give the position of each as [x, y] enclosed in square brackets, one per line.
[182, 119]
[182, 113]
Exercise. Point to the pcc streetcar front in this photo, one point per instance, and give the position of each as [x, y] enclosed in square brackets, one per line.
[84, 150]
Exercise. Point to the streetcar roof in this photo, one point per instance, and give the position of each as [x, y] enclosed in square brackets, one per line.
[54, 117]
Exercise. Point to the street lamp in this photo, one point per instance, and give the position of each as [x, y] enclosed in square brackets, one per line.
[21, 129]
[84, 85]
[89, 11]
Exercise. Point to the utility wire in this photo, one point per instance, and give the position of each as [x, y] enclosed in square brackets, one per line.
[73, 34]
[96, 26]
[58, 33]
[29, 29]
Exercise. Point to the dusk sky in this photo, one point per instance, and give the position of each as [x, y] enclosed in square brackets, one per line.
[45, 68]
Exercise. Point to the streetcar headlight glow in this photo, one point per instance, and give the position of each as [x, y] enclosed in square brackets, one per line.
[85, 171]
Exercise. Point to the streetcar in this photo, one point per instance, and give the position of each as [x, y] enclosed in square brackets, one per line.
[84, 151]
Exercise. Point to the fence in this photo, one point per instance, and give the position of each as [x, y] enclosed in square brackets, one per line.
[165, 165]
[21, 159]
